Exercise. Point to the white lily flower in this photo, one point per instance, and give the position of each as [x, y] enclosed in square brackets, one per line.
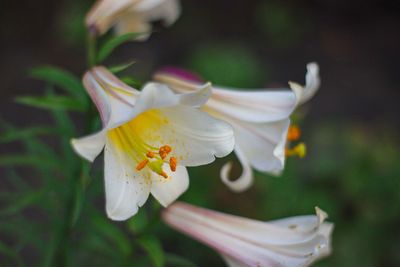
[148, 137]
[260, 119]
[291, 242]
[131, 15]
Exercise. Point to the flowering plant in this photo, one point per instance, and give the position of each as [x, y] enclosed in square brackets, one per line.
[149, 134]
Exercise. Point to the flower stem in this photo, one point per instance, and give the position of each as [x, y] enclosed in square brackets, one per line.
[91, 50]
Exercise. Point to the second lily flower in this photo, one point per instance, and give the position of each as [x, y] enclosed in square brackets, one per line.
[148, 137]
[260, 119]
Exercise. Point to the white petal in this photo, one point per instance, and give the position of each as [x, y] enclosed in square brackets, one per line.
[165, 10]
[253, 106]
[113, 98]
[135, 23]
[263, 105]
[313, 83]
[126, 188]
[197, 98]
[103, 14]
[168, 190]
[245, 180]
[262, 144]
[196, 137]
[139, 17]
[89, 147]
[245, 242]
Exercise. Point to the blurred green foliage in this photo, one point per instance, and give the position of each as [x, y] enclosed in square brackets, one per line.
[228, 65]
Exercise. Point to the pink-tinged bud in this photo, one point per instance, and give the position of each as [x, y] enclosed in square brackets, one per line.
[291, 242]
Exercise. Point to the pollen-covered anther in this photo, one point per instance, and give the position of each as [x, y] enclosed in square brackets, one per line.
[164, 151]
[294, 133]
[299, 150]
[150, 154]
[142, 164]
[172, 163]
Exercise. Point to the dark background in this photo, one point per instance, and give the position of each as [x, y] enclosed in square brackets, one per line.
[352, 169]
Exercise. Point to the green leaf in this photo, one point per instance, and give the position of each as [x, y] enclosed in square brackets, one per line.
[26, 160]
[153, 248]
[177, 261]
[109, 46]
[51, 102]
[20, 202]
[61, 78]
[5, 250]
[139, 222]
[121, 67]
[18, 134]
[113, 233]
[132, 82]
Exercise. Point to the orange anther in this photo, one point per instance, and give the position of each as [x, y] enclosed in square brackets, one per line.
[150, 154]
[164, 150]
[142, 164]
[163, 174]
[167, 149]
[293, 133]
[172, 163]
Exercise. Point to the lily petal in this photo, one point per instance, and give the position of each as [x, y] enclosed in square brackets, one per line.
[198, 133]
[168, 190]
[131, 15]
[312, 85]
[113, 99]
[261, 146]
[126, 189]
[247, 105]
[245, 180]
[89, 147]
[246, 242]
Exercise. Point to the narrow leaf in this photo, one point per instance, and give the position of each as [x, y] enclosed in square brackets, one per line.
[51, 102]
[153, 248]
[18, 134]
[177, 261]
[25, 160]
[109, 46]
[61, 78]
[21, 202]
[119, 68]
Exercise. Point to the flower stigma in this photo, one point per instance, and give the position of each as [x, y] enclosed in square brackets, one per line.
[299, 150]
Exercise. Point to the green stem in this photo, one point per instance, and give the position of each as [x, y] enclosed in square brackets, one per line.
[91, 50]
[76, 187]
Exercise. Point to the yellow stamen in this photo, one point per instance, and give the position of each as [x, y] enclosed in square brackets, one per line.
[132, 138]
[299, 150]
[142, 164]
[172, 163]
[294, 133]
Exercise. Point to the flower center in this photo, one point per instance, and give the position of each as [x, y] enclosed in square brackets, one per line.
[129, 138]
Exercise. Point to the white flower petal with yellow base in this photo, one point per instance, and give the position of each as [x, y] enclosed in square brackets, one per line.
[260, 119]
[149, 136]
[131, 15]
[292, 242]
